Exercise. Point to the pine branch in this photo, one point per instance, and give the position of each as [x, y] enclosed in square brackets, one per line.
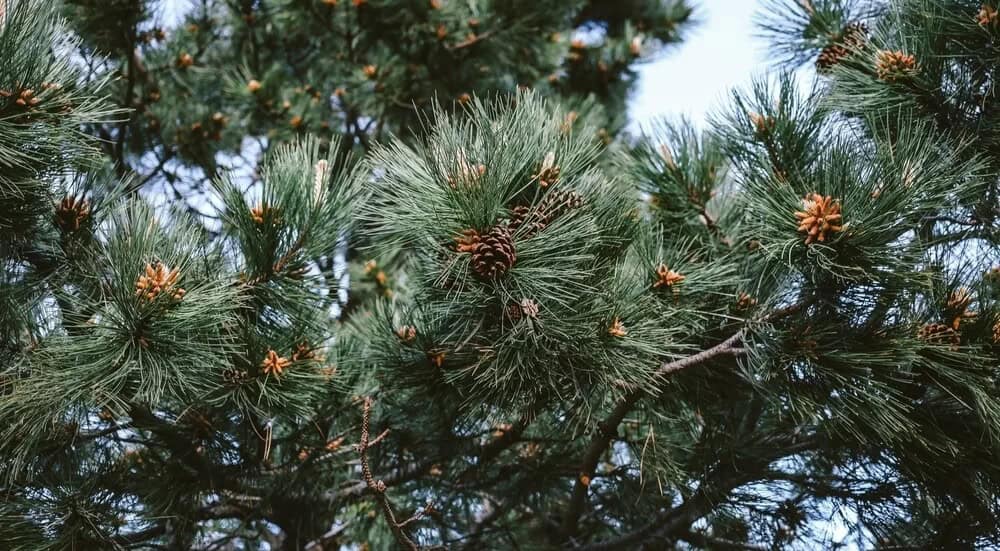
[608, 428]
[472, 40]
[711, 491]
[492, 449]
[403, 474]
[709, 542]
[378, 487]
[181, 449]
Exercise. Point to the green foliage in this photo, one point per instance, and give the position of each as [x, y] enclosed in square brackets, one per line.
[549, 337]
[471, 176]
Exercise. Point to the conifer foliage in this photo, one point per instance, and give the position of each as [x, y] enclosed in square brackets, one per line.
[317, 275]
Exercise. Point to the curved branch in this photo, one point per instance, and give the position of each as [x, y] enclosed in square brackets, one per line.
[608, 428]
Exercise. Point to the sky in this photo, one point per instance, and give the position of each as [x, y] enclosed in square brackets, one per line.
[695, 78]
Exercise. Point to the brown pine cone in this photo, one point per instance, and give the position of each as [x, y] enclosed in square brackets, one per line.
[495, 253]
[939, 334]
[853, 37]
[557, 203]
[71, 213]
[524, 217]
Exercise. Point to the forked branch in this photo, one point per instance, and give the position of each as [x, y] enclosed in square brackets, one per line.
[378, 487]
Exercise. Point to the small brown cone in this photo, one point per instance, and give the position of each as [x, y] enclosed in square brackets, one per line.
[71, 213]
[557, 203]
[853, 37]
[554, 205]
[939, 333]
[495, 254]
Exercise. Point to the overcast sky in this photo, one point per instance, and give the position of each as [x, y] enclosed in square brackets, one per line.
[695, 77]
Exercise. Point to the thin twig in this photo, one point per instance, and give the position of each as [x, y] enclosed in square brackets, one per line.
[471, 41]
[377, 486]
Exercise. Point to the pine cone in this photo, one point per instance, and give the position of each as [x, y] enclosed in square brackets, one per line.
[894, 66]
[71, 213]
[524, 217]
[987, 16]
[558, 203]
[820, 216]
[552, 206]
[853, 37]
[939, 333]
[519, 310]
[495, 253]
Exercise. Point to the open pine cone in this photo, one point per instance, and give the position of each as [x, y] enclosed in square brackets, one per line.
[851, 38]
[495, 253]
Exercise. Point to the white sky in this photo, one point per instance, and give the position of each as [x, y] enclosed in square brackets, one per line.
[695, 78]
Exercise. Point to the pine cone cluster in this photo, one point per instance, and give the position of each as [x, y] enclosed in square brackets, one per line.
[157, 280]
[957, 306]
[209, 129]
[667, 278]
[987, 16]
[495, 254]
[274, 364]
[264, 214]
[853, 37]
[24, 99]
[939, 333]
[745, 301]
[617, 328]
[894, 66]
[71, 213]
[555, 204]
[303, 351]
[819, 218]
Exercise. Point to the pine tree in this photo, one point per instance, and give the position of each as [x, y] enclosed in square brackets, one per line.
[318, 274]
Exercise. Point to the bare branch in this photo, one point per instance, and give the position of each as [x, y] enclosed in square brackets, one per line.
[377, 486]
